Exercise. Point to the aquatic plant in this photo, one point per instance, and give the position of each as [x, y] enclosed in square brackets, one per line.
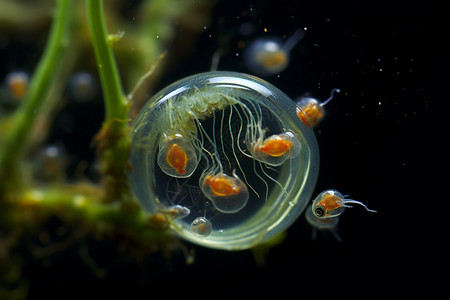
[82, 209]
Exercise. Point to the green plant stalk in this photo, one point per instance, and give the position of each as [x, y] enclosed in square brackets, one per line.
[116, 103]
[113, 143]
[15, 142]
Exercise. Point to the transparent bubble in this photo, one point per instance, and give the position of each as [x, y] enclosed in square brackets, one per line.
[243, 159]
[201, 226]
[229, 194]
[177, 157]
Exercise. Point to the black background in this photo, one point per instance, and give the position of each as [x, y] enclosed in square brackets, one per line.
[378, 143]
[381, 142]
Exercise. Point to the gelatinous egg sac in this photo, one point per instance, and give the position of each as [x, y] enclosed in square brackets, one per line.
[229, 152]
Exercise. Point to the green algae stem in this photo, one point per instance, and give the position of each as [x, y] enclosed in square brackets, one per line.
[80, 206]
[116, 103]
[11, 151]
[29, 234]
[113, 143]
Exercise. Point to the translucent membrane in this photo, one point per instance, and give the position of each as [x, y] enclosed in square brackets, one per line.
[226, 157]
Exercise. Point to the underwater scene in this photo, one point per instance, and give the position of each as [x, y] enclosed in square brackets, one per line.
[179, 148]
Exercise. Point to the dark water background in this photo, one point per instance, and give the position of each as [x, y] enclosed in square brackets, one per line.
[376, 144]
[380, 143]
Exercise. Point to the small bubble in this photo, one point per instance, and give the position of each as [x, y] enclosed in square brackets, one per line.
[201, 226]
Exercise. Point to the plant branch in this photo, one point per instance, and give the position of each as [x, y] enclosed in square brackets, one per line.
[15, 142]
[113, 143]
[116, 103]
